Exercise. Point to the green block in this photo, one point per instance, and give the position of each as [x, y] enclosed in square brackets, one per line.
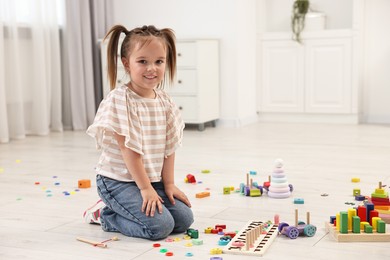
[255, 193]
[355, 224]
[367, 229]
[226, 190]
[344, 222]
[381, 226]
[377, 195]
[197, 241]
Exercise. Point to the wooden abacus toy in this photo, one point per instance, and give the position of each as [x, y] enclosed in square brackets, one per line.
[254, 239]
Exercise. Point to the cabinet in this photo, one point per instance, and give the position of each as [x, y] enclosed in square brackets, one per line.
[310, 78]
[196, 88]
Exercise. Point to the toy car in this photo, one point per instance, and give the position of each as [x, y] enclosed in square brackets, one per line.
[300, 228]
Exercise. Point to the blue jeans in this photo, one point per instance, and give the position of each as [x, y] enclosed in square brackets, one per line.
[123, 211]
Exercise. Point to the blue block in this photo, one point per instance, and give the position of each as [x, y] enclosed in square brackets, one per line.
[369, 207]
[299, 201]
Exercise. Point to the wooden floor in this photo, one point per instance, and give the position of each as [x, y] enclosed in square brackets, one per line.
[38, 220]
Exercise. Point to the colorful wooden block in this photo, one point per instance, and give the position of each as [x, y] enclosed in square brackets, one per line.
[351, 213]
[367, 229]
[226, 190]
[191, 178]
[374, 222]
[343, 222]
[381, 226]
[220, 226]
[356, 192]
[362, 213]
[362, 224]
[197, 241]
[355, 224]
[208, 230]
[255, 193]
[83, 184]
[299, 201]
[215, 251]
[202, 194]
[380, 191]
[193, 233]
[355, 179]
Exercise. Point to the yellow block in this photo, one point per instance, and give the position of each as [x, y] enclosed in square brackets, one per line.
[338, 221]
[362, 224]
[351, 213]
[375, 222]
[379, 191]
[355, 179]
[383, 209]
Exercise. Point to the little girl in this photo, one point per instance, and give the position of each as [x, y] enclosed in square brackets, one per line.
[138, 128]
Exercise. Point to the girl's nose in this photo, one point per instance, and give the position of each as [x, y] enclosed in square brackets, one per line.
[150, 67]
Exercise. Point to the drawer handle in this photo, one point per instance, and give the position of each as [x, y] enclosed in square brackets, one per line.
[179, 54]
[179, 81]
[180, 108]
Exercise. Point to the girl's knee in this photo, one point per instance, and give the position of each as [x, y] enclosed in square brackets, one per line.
[184, 223]
[162, 229]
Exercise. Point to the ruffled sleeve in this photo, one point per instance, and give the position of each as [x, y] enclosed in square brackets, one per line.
[175, 127]
[117, 114]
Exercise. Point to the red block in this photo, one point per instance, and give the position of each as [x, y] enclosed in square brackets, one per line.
[191, 178]
[373, 213]
[220, 226]
[362, 213]
[380, 201]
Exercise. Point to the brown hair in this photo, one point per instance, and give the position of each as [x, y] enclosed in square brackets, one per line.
[142, 35]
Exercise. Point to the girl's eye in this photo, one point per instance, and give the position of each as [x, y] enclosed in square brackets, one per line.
[142, 61]
[160, 62]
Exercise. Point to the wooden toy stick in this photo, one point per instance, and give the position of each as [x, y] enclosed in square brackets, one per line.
[380, 185]
[111, 239]
[247, 179]
[94, 243]
[269, 178]
[296, 217]
[247, 242]
[308, 217]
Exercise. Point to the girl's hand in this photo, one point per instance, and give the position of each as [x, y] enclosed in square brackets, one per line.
[173, 192]
[151, 201]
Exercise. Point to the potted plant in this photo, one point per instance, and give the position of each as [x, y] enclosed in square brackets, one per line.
[300, 9]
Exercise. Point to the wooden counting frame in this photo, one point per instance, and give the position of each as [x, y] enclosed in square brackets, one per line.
[261, 240]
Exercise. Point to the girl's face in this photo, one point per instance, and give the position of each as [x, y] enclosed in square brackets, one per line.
[146, 66]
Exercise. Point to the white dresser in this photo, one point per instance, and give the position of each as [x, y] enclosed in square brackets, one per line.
[196, 89]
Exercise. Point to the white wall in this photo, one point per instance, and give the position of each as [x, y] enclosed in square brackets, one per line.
[376, 81]
[339, 13]
[231, 21]
[237, 23]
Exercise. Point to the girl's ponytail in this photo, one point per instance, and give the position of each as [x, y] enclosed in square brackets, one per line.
[112, 52]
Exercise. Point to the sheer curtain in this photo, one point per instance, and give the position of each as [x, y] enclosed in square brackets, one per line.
[30, 69]
[50, 75]
[85, 23]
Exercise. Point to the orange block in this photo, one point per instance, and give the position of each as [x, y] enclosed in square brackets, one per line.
[84, 184]
[202, 194]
